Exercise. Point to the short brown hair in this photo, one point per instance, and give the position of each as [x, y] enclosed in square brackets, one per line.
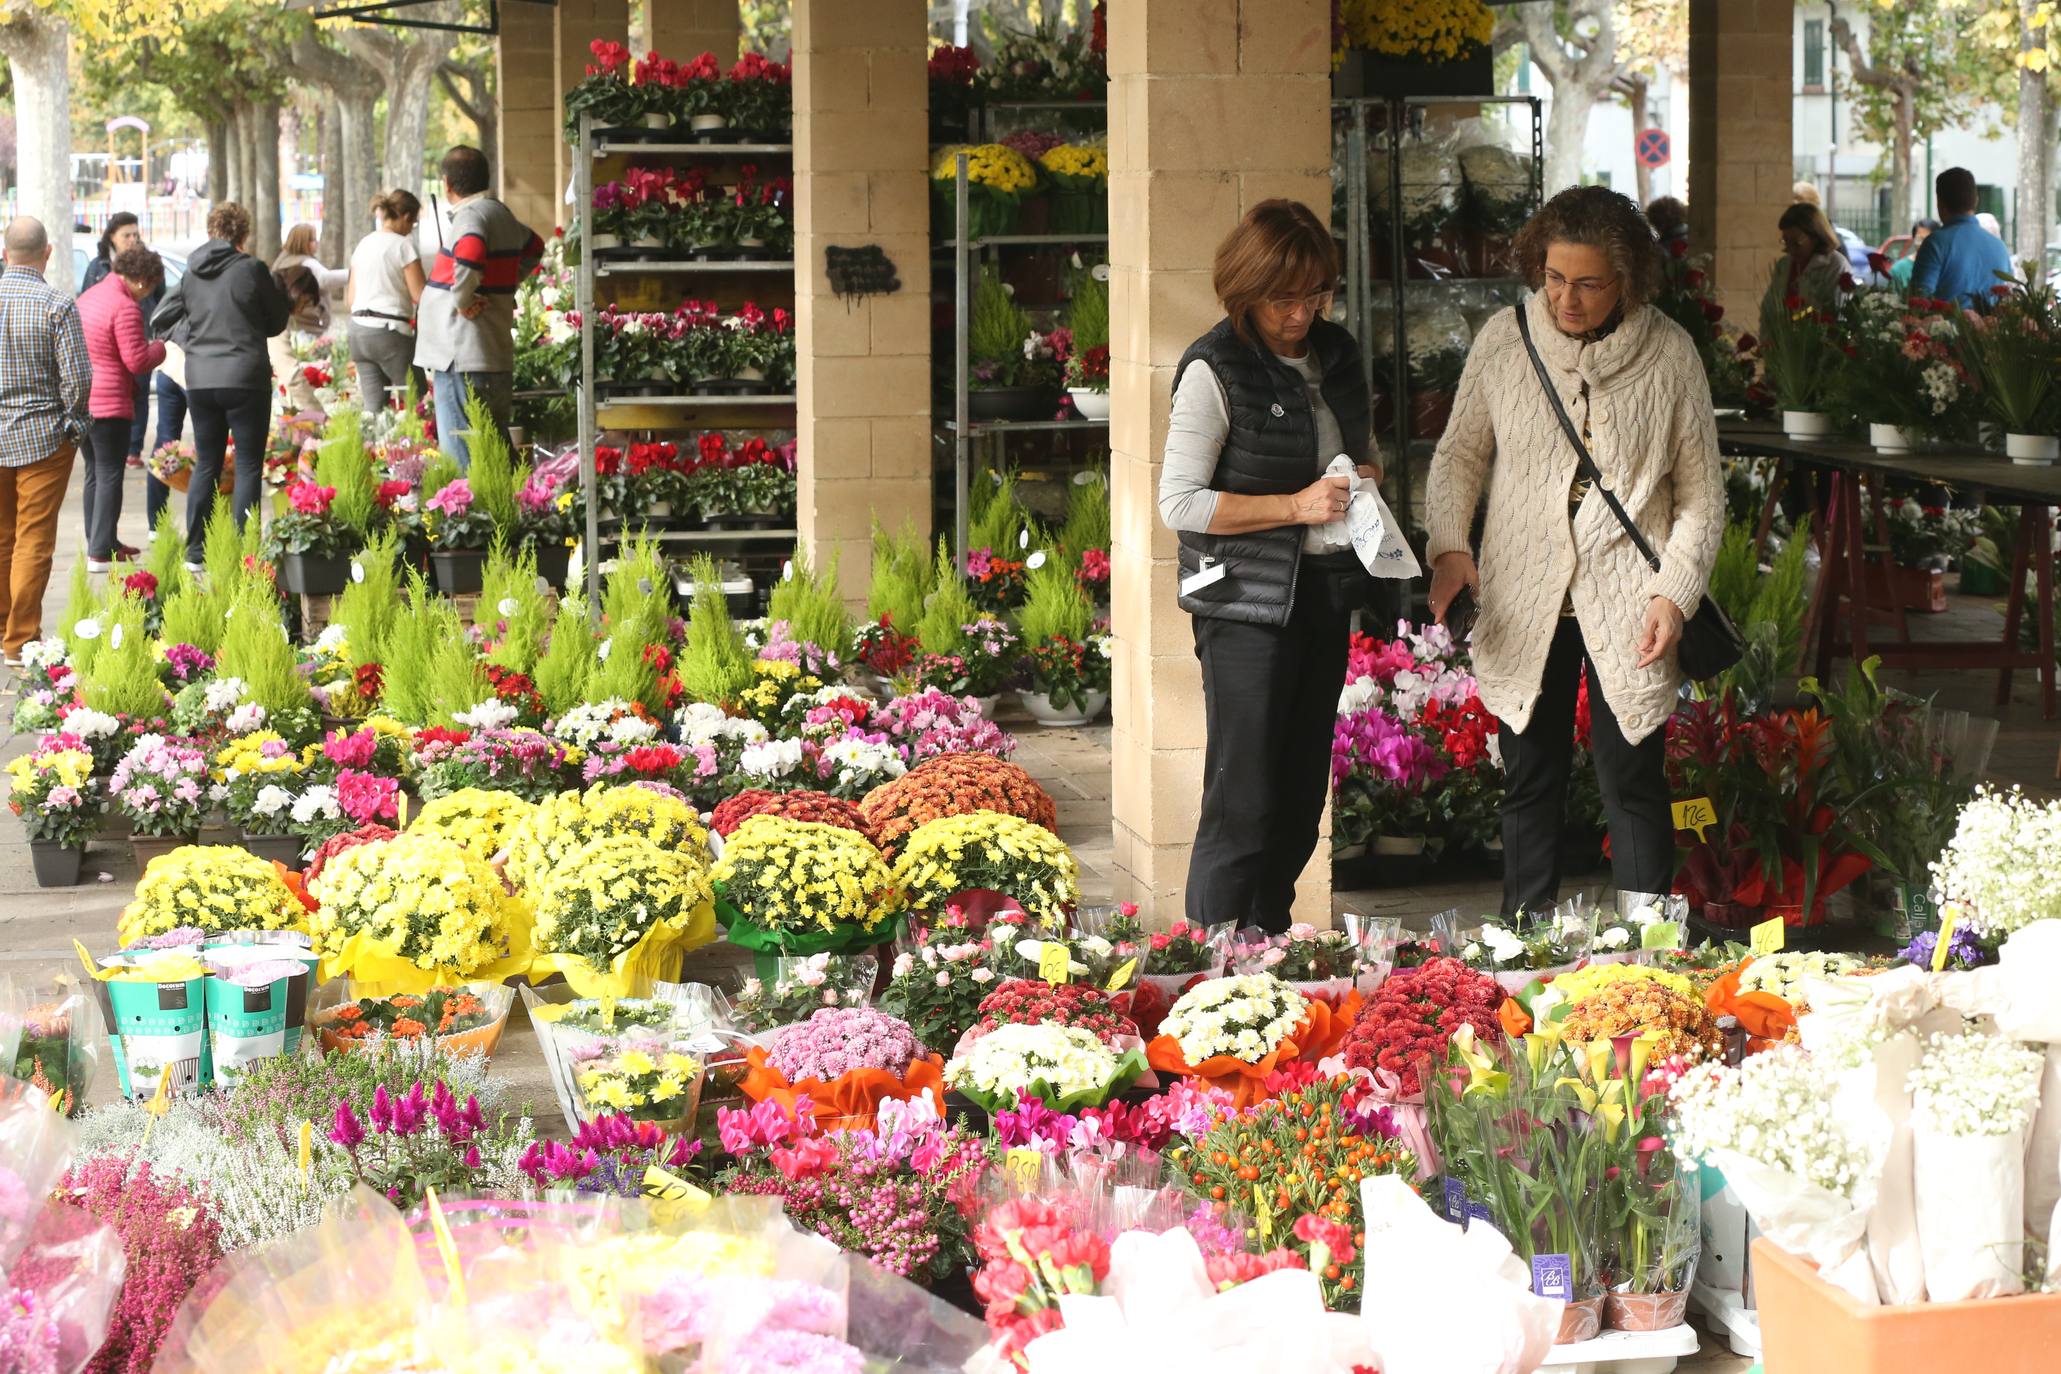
[465, 171]
[1279, 249]
[1597, 217]
[230, 223]
[139, 264]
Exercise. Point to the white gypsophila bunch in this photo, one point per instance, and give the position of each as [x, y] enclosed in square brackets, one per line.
[1067, 1059]
[1246, 1016]
[1850, 1043]
[770, 759]
[1776, 1109]
[1975, 1084]
[1784, 974]
[2002, 860]
[491, 714]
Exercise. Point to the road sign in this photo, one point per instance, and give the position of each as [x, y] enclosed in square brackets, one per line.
[1654, 148]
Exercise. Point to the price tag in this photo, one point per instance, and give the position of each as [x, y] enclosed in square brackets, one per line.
[1695, 814]
[400, 810]
[1025, 1166]
[672, 1197]
[1766, 938]
[446, 1246]
[1661, 935]
[608, 1013]
[307, 1152]
[1122, 975]
[160, 1101]
[1262, 1213]
[1947, 922]
[1053, 961]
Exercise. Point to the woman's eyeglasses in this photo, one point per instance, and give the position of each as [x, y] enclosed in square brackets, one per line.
[1580, 286]
[1317, 302]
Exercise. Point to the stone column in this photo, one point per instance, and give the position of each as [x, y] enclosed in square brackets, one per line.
[861, 161]
[685, 29]
[525, 70]
[1215, 105]
[1741, 165]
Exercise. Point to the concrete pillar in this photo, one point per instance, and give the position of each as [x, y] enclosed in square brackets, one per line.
[1215, 105]
[685, 29]
[541, 53]
[861, 163]
[1741, 165]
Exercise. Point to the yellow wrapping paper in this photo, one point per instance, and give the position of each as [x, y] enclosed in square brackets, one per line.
[631, 973]
[376, 969]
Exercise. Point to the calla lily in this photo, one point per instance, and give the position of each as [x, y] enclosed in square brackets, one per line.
[1483, 1077]
[1583, 1093]
[1540, 1047]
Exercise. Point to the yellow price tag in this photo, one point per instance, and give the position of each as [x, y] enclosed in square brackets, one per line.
[1695, 814]
[307, 1152]
[446, 1246]
[671, 1197]
[1053, 961]
[608, 1013]
[160, 1101]
[1949, 919]
[1122, 976]
[1766, 938]
[400, 810]
[1025, 1167]
[1262, 1213]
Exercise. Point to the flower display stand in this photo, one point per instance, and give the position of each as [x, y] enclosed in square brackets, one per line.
[1807, 1326]
[1726, 1314]
[1624, 1352]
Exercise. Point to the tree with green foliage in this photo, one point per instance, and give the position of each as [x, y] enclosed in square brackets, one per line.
[714, 664]
[941, 628]
[1912, 76]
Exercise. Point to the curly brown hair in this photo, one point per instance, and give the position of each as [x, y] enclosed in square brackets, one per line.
[1599, 218]
[230, 223]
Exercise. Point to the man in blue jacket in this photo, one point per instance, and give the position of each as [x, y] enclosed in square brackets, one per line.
[1960, 261]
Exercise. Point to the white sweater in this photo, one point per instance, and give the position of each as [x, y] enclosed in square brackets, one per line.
[1653, 437]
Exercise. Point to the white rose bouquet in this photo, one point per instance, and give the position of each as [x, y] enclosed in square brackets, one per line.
[1245, 1017]
[1784, 974]
[1065, 1067]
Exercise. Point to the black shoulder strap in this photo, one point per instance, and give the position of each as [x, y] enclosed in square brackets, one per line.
[1588, 466]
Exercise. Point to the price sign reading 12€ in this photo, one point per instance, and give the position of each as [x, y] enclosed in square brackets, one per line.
[1695, 813]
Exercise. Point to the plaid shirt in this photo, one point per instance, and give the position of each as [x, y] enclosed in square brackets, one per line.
[44, 375]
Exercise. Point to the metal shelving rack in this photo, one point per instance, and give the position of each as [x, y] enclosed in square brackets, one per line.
[745, 412]
[1402, 117]
[964, 429]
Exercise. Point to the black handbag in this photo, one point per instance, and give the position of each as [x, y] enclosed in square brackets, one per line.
[1710, 644]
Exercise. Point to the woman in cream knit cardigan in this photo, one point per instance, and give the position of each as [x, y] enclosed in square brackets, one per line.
[1562, 589]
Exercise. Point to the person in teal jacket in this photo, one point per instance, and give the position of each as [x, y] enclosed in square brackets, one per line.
[1961, 262]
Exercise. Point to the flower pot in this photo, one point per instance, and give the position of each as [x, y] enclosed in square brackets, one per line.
[647, 242]
[707, 123]
[1009, 403]
[459, 572]
[1644, 1311]
[601, 243]
[1580, 1321]
[1364, 72]
[553, 562]
[309, 574]
[653, 119]
[2032, 449]
[282, 849]
[1092, 404]
[1795, 917]
[147, 847]
[57, 865]
[1806, 424]
[1346, 853]
[1892, 438]
[1050, 716]
[1398, 846]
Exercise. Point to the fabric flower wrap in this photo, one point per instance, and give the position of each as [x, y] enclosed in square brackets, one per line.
[619, 914]
[413, 913]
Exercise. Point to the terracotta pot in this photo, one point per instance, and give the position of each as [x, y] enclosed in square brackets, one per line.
[1644, 1311]
[1580, 1321]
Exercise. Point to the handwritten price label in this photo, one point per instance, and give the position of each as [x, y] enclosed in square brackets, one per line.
[1025, 1168]
[1053, 961]
[1695, 814]
[1766, 938]
[1948, 921]
[1122, 976]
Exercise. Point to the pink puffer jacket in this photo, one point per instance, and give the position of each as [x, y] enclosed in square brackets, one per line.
[117, 346]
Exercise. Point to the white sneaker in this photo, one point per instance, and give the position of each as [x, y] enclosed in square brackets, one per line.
[196, 568]
[98, 565]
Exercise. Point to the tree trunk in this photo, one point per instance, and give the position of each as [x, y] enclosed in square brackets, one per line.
[38, 50]
[405, 67]
[340, 219]
[1567, 130]
[1900, 161]
[2035, 145]
[1636, 96]
[356, 118]
[247, 157]
[264, 211]
[470, 87]
[220, 156]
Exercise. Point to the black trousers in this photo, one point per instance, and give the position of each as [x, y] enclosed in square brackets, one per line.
[1270, 697]
[107, 455]
[220, 413]
[1536, 764]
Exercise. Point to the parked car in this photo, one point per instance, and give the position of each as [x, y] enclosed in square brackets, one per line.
[84, 246]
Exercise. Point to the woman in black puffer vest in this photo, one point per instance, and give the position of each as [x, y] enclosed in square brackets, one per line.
[1262, 404]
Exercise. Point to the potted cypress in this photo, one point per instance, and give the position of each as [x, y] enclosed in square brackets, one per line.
[472, 512]
[1015, 370]
[1087, 359]
[1065, 660]
[310, 542]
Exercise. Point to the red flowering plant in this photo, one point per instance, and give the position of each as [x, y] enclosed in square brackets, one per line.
[1023, 1002]
[1468, 805]
[1686, 298]
[701, 87]
[1908, 369]
[952, 71]
[1804, 352]
[517, 690]
[408, 1016]
[604, 92]
[1093, 574]
[761, 97]
[1411, 1017]
[997, 582]
[883, 650]
[817, 807]
[309, 529]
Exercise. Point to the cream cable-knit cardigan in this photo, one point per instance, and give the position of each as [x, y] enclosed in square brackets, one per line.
[1653, 436]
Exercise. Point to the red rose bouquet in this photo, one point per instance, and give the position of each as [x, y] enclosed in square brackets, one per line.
[1414, 1013]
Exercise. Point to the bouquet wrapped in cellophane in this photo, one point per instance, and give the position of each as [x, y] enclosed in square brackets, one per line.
[61, 1267]
[610, 1286]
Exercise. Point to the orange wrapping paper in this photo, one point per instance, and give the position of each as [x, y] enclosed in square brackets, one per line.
[850, 1100]
[1321, 1032]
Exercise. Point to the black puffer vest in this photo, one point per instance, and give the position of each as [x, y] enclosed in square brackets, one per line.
[1270, 451]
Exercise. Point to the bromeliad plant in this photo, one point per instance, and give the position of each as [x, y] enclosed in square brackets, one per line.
[1802, 355]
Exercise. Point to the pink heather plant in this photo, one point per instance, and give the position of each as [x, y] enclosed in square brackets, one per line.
[837, 1040]
[170, 1238]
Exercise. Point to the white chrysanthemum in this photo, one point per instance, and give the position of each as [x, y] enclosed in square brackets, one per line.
[1233, 1016]
[1066, 1058]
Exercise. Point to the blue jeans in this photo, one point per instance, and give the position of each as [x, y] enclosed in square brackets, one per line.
[497, 389]
[171, 423]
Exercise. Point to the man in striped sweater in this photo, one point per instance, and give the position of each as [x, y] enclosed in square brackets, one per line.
[465, 325]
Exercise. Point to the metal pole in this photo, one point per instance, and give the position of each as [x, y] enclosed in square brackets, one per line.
[1398, 114]
[583, 295]
[1832, 96]
[962, 335]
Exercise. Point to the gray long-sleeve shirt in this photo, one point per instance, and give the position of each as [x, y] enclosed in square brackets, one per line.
[1195, 435]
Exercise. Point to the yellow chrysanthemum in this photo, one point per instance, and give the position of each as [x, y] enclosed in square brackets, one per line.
[986, 849]
[215, 887]
[478, 818]
[833, 876]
